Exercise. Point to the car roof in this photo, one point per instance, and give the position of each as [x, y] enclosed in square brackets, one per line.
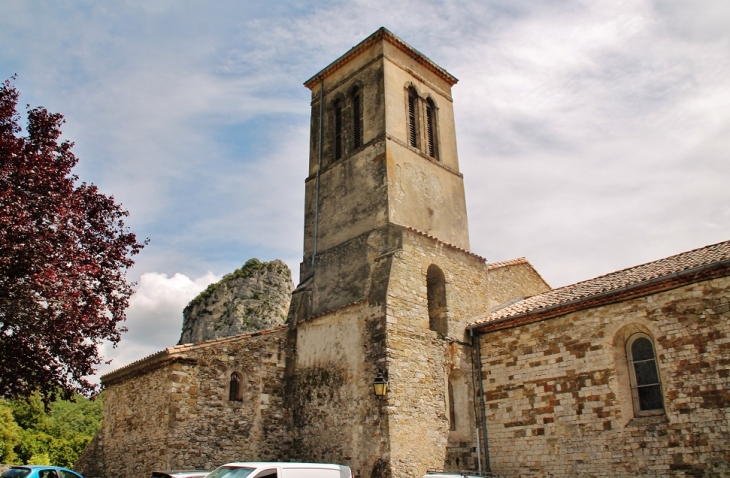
[283, 464]
[180, 471]
[45, 467]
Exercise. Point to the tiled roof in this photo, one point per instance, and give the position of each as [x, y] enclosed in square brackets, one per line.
[457, 248]
[179, 349]
[612, 285]
[511, 262]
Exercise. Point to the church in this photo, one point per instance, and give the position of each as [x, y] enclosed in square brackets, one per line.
[403, 351]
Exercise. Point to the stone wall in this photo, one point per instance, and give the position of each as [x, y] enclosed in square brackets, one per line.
[179, 416]
[136, 419]
[208, 429]
[422, 361]
[336, 417]
[559, 400]
[91, 462]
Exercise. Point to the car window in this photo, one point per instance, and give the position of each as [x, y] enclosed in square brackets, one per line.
[45, 473]
[16, 473]
[230, 472]
[69, 474]
[268, 473]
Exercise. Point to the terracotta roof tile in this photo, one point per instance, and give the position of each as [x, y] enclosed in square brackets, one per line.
[511, 262]
[457, 248]
[613, 282]
[179, 349]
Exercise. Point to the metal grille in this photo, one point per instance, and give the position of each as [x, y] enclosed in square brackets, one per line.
[430, 127]
[412, 131]
[338, 132]
[356, 120]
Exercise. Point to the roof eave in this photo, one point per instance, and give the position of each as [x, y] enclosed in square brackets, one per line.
[381, 34]
[640, 289]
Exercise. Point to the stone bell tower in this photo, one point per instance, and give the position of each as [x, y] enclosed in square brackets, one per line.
[385, 248]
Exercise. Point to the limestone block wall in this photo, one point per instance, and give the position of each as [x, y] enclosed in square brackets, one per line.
[175, 413]
[135, 421]
[206, 428]
[335, 414]
[559, 401]
[512, 280]
[421, 361]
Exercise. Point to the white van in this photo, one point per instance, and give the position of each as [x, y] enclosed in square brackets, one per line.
[280, 470]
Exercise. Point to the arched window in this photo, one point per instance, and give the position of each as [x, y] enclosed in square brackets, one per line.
[436, 296]
[412, 117]
[357, 123]
[646, 388]
[338, 130]
[235, 388]
[431, 128]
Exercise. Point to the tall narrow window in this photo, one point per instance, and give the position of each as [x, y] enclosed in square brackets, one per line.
[431, 127]
[436, 296]
[646, 387]
[338, 131]
[452, 409]
[412, 118]
[357, 129]
[234, 388]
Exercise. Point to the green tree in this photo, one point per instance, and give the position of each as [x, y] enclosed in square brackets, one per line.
[64, 253]
[57, 435]
[9, 434]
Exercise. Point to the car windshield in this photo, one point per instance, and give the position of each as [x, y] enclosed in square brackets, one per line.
[230, 472]
[16, 473]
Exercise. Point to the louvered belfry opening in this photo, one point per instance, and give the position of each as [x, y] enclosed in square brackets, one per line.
[412, 119]
[431, 127]
[338, 131]
[357, 129]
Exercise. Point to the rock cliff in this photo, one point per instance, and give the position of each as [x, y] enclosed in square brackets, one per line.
[254, 297]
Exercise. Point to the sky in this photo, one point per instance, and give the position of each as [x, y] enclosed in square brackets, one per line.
[592, 135]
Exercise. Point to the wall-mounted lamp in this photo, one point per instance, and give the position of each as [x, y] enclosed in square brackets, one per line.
[380, 384]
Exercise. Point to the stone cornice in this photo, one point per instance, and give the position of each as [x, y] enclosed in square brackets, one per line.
[382, 34]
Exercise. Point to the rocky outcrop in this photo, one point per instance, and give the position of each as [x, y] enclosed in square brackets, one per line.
[254, 297]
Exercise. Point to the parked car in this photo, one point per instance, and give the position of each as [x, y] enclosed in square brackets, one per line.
[460, 474]
[39, 471]
[281, 470]
[180, 474]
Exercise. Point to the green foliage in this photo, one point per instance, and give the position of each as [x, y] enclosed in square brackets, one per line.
[9, 434]
[53, 436]
[39, 459]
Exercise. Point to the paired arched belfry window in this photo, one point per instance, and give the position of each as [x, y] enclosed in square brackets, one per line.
[348, 124]
[646, 388]
[436, 296]
[422, 123]
[235, 387]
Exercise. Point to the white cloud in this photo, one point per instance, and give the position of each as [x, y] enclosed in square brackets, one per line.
[154, 316]
[592, 135]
